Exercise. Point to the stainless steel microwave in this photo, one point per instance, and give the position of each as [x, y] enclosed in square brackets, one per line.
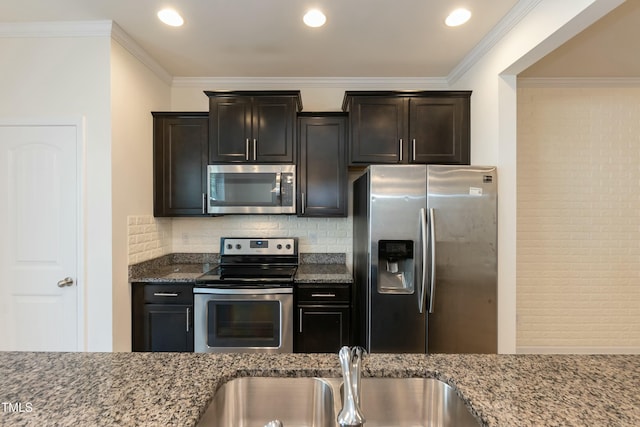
[251, 189]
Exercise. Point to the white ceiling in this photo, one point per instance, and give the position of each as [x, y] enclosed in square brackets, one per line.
[267, 38]
[362, 38]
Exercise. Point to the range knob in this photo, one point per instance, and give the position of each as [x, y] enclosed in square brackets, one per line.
[288, 246]
[229, 246]
[279, 246]
[238, 246]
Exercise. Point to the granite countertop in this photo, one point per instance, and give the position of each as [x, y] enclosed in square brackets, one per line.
[174, 273]
[186, 268]
[174, 389]
[323, 273]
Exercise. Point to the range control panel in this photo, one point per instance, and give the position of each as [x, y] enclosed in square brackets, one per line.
[260, 246]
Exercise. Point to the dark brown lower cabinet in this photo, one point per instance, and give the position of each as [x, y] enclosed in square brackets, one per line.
[322, 318]
[162, 317]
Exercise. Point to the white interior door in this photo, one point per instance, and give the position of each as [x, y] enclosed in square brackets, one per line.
[39, 197]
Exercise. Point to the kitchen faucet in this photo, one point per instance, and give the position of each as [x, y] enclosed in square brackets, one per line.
[351, 363]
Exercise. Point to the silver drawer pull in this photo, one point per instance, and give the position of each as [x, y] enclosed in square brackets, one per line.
[165, 294]
[323, 295]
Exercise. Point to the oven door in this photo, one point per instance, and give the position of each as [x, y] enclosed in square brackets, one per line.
[251, 189]
[243, 320]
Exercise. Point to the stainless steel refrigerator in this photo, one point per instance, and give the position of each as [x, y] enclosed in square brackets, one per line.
[425, 259]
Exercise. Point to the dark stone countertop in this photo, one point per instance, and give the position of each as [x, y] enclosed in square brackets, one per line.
[185, 268]
[174, 389]
[323, 273]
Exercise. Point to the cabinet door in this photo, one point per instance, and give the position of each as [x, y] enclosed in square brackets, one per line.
[230, 129]
[168, 327]
[180, 163]
[377, 128]
[439, 130]
[322, 329]
[322, 168]
[273, 129]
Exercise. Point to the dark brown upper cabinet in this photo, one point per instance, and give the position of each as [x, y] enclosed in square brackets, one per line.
[408, 127]
[253, 126]
[322, 165]
[180, 149]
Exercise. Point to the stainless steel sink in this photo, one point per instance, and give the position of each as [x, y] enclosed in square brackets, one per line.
[255, 401]
[413, 402]
[315, 402]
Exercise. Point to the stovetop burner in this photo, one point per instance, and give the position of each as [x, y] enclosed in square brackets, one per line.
[261, 273]
[247, 262]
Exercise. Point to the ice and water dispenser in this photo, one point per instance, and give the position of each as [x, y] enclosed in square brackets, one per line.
[396, 266]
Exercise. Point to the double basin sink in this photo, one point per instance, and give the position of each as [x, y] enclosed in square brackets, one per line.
[316, 402]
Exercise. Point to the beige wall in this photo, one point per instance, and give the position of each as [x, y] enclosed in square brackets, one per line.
[578, 220]
[135, 92]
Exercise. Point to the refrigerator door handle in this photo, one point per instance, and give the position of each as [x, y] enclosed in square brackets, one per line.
[423, 241]
[432, 243]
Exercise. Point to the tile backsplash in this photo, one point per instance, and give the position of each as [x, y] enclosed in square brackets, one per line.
[148, 237]
[151, 237]
[320, 235]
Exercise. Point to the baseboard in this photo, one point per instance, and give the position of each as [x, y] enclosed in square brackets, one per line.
[576, 350]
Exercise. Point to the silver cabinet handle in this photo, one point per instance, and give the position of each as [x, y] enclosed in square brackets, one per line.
[413, 150]
[303, 203]
[204, 203]
[188, 318]
[300, 320]
[246, 149]
[400, 146]
[255, 149]
[67, 281]
[165, 294]
[328, 295]
[432, 240]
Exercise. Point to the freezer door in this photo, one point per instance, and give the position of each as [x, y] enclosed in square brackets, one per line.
[397, 193]
[463, 202]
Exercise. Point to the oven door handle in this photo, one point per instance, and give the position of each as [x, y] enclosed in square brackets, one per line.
[243, 291]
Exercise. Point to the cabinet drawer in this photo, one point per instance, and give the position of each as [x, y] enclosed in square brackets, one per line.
[326, 294]
[168, 294]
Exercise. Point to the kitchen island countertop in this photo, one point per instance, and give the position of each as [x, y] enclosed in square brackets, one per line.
[152, 389]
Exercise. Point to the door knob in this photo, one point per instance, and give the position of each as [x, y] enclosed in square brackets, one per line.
[67, 281]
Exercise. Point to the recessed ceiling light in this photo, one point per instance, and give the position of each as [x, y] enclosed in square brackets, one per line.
[314, 18]
[170, 17]
[457, 17]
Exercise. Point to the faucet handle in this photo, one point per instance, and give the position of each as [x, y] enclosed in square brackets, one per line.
[358, 351]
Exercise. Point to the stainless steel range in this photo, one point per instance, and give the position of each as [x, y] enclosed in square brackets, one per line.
[245, 304]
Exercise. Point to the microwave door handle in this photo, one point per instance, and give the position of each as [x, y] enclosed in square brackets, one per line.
[278, 189]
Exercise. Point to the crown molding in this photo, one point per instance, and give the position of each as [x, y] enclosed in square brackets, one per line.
[56, 29]
[506, 24]
[103, 28]
[125, 40]
[578, 82]
[363, 83]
